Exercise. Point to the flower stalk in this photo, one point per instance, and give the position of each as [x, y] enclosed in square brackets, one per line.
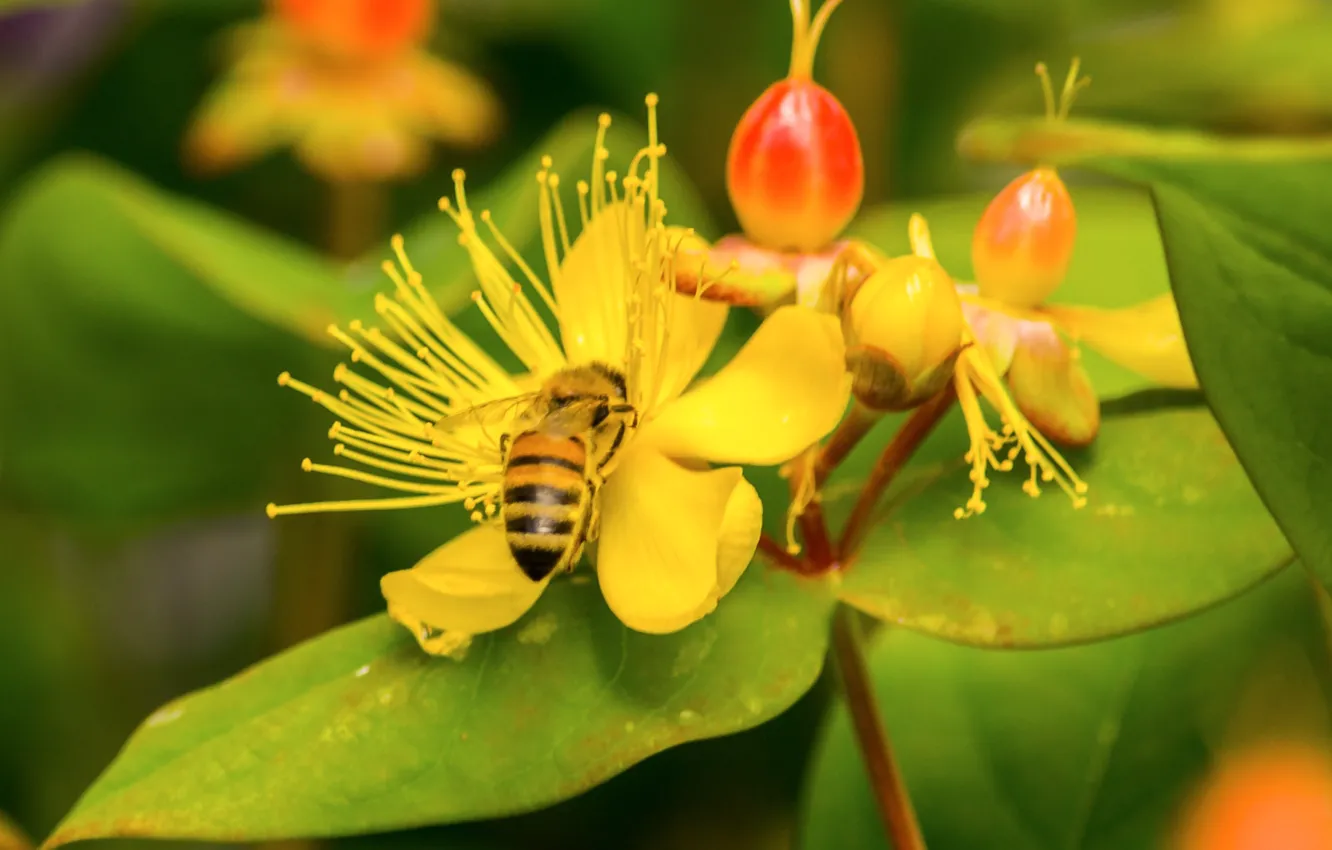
[357, 211]
[844, 440]
[890, 792]
[895, 456]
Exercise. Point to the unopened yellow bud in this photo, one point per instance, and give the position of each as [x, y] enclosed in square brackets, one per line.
[904, 330]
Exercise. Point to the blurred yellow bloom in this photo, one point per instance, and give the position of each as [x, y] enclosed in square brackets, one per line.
[674, 534]
[346, 84]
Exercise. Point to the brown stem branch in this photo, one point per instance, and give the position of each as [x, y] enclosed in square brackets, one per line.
[849, 433]
[819, 552]
[895, 455]
[890, 793]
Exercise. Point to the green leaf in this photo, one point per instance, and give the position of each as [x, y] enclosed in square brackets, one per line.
[359, 731]
[1228, 66]
[1252, 271]
[1171, 526]
[1032, 141]
[127, 388]
[1086, 748]
[1118, 260]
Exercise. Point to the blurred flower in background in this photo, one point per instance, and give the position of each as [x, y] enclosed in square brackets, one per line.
[1270, 797]
[348, 85]
[44, 47]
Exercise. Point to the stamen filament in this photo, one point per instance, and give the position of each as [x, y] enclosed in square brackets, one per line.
[388, 466]
[559, 214]
[377, 480]
[409, 453]
[522, 266]
[388, 504]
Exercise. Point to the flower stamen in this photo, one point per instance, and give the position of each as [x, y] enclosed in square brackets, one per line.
[975, 373]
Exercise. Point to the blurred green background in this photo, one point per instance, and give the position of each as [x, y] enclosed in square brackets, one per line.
[112, 602]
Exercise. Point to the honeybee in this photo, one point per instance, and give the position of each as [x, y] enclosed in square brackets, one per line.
[553, 467]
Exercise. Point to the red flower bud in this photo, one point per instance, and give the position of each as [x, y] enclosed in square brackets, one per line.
[358, 29]
[794, 170]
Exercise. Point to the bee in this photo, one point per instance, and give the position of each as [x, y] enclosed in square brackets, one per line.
[554, 466]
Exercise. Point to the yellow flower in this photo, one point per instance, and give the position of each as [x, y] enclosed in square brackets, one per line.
[347, 85]
[673, 533]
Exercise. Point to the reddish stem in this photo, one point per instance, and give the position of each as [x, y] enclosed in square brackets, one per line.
[847, 436]
[819, 556]
[819, 553]
[777, 553]
[890, 793]
[895, 455]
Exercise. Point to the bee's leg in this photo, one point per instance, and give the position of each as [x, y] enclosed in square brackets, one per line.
[609, 452]
[504, 445]
[628, 411]
[592, 517]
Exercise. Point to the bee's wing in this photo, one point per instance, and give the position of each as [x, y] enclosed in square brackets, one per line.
[492, 416]
[570, 419]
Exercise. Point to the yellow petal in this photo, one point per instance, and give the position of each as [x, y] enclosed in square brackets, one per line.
[741, 527]
[590, 289]
[1146, 338]
[1051, 388]
[662, 529]
[469, 585]
[784, 390]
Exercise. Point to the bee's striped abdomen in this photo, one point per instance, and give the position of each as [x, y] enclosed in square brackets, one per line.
[544, 501]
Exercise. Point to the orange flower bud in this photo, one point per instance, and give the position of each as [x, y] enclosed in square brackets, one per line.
[358, 29]
[904, 332]
[794, 169]
[1023, 242]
